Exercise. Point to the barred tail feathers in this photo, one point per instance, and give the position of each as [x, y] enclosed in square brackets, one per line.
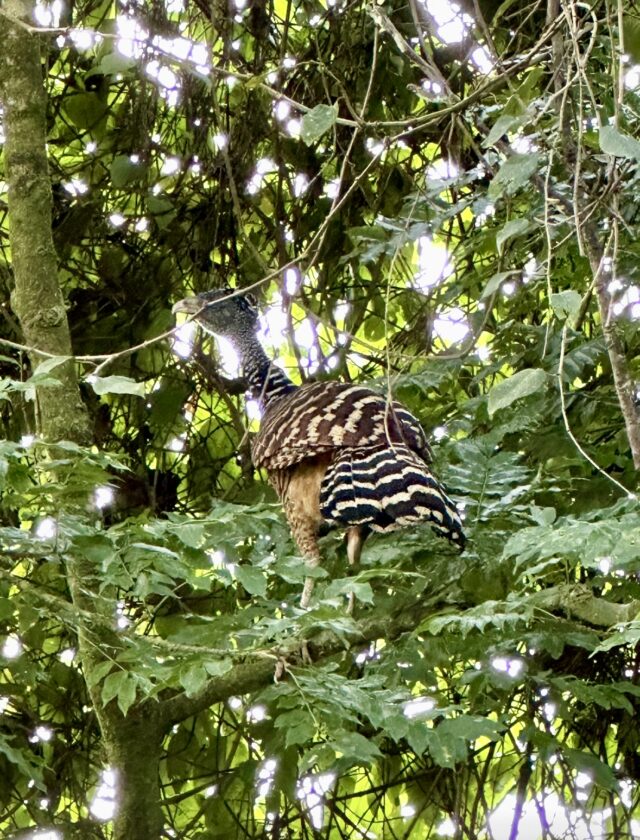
[387, 488]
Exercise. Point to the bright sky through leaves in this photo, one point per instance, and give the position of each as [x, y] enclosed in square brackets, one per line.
[415, 253]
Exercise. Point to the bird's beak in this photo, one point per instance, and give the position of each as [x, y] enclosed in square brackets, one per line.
[190, 305]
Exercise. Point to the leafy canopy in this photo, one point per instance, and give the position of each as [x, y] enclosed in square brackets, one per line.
[442, 203]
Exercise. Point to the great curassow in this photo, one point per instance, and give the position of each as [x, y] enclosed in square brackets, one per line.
[335, 453]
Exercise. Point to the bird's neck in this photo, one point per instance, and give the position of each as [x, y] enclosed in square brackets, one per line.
[266, 381]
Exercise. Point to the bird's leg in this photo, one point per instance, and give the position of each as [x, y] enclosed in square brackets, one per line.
[305, 533]
[300, 501]
[307, 540]
[313, 561]
[307, 589]
[354, 545]
[354, 550]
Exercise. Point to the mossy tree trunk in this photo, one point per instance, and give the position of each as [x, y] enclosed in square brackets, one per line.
[36, 297]
[132, 743]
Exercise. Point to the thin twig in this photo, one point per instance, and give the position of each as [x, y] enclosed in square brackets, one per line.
[567, 426]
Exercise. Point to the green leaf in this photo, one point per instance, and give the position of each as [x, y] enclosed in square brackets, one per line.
[521, 384]
[495, 281]
[156, 549]
[492, 479]
[449, 741]
[526, 92]
[487, 614]
[471, 727]
[97, 672]
[116, 385]
[566, 304]
[29, 387]
[628, 634]
[50, 364]
[193, 678]
[85, 110]
[287, 774]
[585, 762]
[123, 170]
[24, 761]
[631, 32]
[96, 547]
[587, 539]
[502, 125]
[513, 228]
[7, 608]
[613, 142]
[354, 748]
[253, 580]
[298, 724]
[368, 233]
[127, 693]
[111, 64]
[445, 749]
[514, 174]
[419, 736]
[317, 121]
[543, 515]
[112, 685]
[8, 360]
[190, 533]
[218, 667]
[362, 591]
[612, 696]
[162, 210]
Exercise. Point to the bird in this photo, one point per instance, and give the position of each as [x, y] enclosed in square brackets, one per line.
[337, 454]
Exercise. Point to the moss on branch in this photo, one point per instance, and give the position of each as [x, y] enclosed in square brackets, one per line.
[36, 297]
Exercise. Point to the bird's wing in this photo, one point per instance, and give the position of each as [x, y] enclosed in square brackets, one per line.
[328, 416]
[387, 488]
[413, 433]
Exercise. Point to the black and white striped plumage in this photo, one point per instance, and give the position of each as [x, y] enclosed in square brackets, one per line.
[385, 489]
[336, 453]
[377, 475]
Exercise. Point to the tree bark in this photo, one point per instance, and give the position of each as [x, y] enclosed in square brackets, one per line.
[36, 297]
[132, 743]
[133, 747]
[622, 380]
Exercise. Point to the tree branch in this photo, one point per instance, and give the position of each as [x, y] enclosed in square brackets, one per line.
[258, 671]
[621, 377]
[579, 602]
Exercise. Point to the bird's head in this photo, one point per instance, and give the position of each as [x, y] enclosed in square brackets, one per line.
[223, 312]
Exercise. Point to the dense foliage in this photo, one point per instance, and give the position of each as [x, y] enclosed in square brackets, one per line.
[441, 202]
